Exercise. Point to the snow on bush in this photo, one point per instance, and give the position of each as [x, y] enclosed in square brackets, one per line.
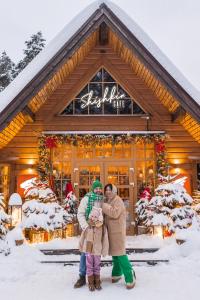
[170, 207]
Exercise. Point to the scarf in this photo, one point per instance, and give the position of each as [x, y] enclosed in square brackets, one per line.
[92, 197]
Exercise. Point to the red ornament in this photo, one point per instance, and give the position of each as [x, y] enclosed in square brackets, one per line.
[160, 147]
[68, 188]
[51, 142]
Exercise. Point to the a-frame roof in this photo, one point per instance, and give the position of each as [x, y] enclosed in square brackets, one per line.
[18, 94]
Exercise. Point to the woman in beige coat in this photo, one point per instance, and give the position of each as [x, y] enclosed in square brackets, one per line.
[115, 220]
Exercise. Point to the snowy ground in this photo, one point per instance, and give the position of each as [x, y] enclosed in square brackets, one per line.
[23, 277]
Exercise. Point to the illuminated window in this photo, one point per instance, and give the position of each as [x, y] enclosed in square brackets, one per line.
[103, 96]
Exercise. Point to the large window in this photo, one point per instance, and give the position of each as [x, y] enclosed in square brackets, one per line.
[103, 96]
[81, 164]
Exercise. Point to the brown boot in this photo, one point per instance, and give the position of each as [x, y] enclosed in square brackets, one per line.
[80, 282]
[97, 282]
[91, 283]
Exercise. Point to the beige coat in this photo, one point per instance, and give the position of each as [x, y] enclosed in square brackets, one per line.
[115, 221]
[94, 240]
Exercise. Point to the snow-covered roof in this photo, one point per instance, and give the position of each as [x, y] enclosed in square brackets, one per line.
[69, 30]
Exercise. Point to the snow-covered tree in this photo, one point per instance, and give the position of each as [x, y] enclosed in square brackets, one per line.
[33, 46]
[45, 216]
[35, 189]
[7, 69]
[141, 206]
[70, 203]
[41, 210]
[196, 201]
[170, 207]
[4, 220]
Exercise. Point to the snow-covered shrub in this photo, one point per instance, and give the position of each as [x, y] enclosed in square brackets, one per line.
[170, 207]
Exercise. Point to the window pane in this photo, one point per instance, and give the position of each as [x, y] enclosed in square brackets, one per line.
[137, 109]
[126, 107]
[78, 109]
[83, 92]
[107, 77]
[98, 77]
[68, 110]
[96, 88]
[122, 91]
[94, 110]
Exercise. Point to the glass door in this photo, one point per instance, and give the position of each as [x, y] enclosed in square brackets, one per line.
[86, 174]
[121, 175]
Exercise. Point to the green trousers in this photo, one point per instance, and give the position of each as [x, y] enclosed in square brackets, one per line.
[122, 266]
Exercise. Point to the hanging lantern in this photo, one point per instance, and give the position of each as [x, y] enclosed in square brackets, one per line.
[15, 209]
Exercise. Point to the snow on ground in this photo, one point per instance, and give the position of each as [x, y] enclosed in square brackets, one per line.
[23, 277]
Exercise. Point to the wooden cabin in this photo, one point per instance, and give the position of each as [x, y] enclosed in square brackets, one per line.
[95, 103]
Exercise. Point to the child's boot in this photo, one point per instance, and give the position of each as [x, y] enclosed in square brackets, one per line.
[97, 282]
[91, 285]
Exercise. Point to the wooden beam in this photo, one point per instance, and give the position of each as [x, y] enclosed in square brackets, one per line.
[178, 115]
[28, 112]
[103, 34]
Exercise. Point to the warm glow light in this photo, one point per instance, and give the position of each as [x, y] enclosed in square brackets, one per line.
[16, 215]
[158, 230]
[30, 171]
[150, 171]
[176, 161]
[177, 170]
[31, 162]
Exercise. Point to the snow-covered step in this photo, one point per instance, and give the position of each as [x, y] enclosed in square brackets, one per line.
[76, 251]
[108, 262]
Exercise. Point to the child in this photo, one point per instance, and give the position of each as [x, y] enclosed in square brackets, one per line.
[94, 242]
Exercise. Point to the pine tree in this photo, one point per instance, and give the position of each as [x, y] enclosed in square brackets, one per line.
[170, 207]
[7, 69]
[70, 203]
[41, 210]
[33, 47]
[4, 220]
[141, 206]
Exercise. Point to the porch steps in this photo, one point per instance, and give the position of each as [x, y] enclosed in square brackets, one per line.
[77, 252]
[105, 263]
[60, 252]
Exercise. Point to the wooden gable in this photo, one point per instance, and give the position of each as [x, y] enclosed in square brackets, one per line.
[102, 41]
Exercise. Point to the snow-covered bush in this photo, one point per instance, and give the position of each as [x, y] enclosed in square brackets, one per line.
[36, 189]
[46, 216]
[170, 207]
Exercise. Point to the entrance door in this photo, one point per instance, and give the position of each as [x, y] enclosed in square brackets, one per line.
[86, 174]
[121, 175]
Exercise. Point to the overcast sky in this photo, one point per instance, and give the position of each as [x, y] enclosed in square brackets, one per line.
[174, 25]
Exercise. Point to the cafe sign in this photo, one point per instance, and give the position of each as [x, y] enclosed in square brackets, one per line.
[110, 96]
